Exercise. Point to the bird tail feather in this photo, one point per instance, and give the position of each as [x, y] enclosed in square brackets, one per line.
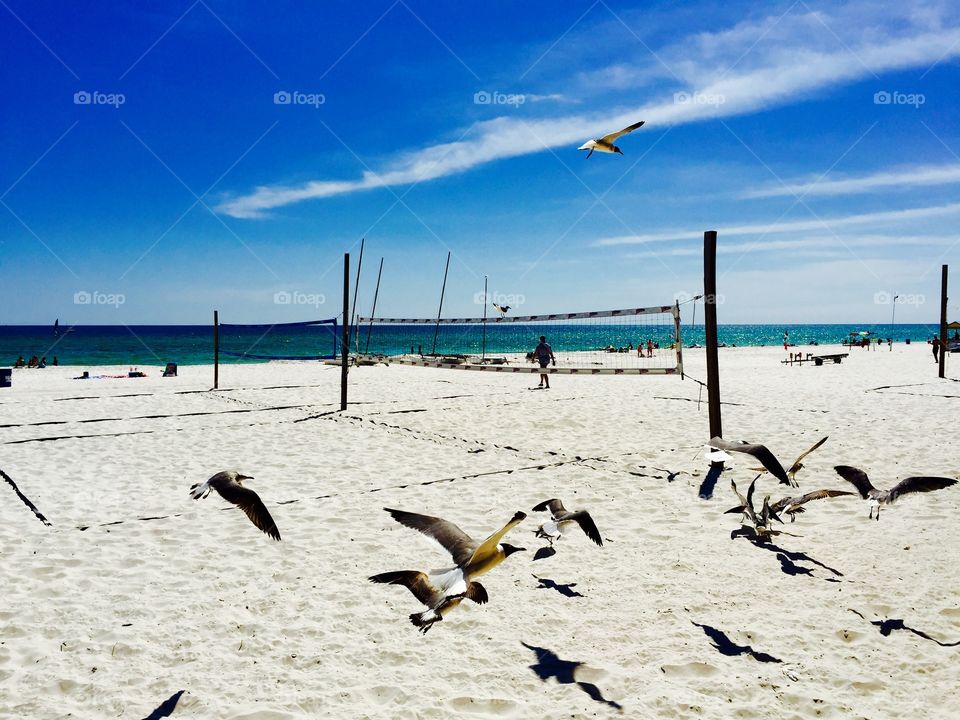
[197, 491]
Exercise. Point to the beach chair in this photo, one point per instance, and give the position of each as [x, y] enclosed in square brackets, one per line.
[170, 370]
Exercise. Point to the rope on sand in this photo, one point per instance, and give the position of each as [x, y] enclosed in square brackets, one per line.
[24, 498]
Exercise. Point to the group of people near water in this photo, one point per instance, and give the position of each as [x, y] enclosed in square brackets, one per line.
[34, 362]
[651, 346]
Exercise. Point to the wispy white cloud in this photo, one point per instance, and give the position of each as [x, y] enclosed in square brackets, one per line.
[887, 217]
[796, 59]
[921, 176]
[812, 244]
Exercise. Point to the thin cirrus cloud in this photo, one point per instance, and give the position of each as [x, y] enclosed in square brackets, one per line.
[828, 223]
[805, 245]
[922, 176]
[775, 77]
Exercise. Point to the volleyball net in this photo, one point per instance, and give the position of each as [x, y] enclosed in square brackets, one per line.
[613, 342]
[308, 340]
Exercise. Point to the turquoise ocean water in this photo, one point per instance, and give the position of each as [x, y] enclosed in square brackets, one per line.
[193, 344]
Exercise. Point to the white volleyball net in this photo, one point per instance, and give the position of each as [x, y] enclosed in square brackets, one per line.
[631, 341]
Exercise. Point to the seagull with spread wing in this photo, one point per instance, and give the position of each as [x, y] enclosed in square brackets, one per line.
[792, 505]
[798, 463]
[758, 451]
[442, 590]
[858, 478]
[760, 524]
[560, 517]
[229, 484]
[605, 144]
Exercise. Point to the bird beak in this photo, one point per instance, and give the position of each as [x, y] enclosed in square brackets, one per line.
[244, 477]
[618, 151]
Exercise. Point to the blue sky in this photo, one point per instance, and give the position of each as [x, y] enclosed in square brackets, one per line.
[149, 166]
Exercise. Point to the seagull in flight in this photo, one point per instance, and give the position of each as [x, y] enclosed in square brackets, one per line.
[560, 517]
[605, 144]
[858, 478]
[758, 451]
[229, 484]
[442, 590]
[792, 505]
[798, 463]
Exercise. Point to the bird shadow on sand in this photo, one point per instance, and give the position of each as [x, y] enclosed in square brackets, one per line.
[545, 552]
[787, 558]
[565, 589]
[726, 646]
[888, 626]
[549, 665]
[710, 481]
[166, 708]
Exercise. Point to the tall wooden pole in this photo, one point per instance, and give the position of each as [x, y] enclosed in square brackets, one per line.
[943, 320]
[443, 290]
[216, 349]
[710, 327]
[373, 312]
[356, 287]
[345, 342]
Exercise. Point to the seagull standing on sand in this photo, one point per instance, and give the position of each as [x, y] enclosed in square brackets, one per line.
[605, 144]
[877, 498]
[228, 484]
[560, 517]
[442, 590]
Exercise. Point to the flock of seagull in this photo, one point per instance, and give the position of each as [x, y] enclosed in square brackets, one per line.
[443, 590]
[440, 591]
[760, 521]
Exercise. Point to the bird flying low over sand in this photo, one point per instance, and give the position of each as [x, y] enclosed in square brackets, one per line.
[228, 484]
[605, 144]
[759, 523]
[798, 463]
[758, 451]
[560, 517]
[792, 505]
[439, 603]
[442, 590]
[877, 498]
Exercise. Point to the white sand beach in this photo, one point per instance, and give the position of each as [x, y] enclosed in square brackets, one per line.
[134, 592]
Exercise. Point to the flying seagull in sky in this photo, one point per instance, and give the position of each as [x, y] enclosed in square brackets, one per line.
[438, 589]
[758, 451]
[877, 498]
[560, 517]
[228, 484]
[605, 144]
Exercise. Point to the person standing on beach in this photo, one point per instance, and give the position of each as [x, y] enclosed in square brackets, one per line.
[936, 349]
[543, 354]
